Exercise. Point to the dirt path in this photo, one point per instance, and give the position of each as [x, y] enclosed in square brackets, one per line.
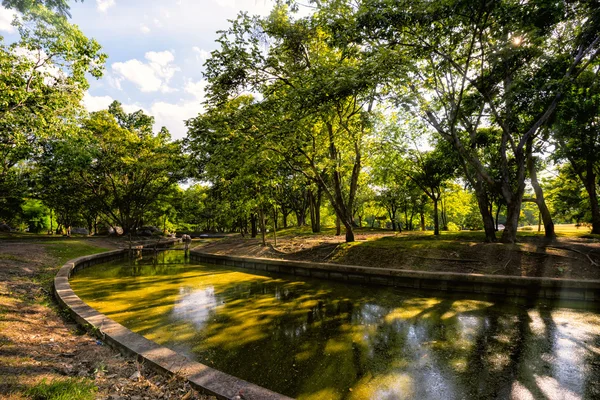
[38, 346]
[574, 258]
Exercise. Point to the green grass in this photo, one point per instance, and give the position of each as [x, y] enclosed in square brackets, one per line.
[63, 251]
[562, 230]
[325, 230]
[12, 258]
[26, 236]
[63, 389]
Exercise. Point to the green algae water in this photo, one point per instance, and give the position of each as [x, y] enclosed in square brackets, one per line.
[318, 339]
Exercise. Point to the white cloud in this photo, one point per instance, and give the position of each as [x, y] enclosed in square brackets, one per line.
[144, 28]
[201, 54]
[157, 23]
[165, 114]
[161, 58]
[173, 116]
[151, 76]
[112, 81]
[104, 5]
[6, 19]
[196, 89]
[97, 103]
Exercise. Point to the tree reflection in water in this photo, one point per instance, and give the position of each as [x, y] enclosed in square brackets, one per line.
[315, 339]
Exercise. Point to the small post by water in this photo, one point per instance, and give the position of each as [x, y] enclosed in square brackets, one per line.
[187, 240]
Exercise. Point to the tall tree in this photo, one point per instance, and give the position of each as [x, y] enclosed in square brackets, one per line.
[475, 62]
[576, 134]
[127, 171]
[319, 97]
[41, 87]
[430, 171]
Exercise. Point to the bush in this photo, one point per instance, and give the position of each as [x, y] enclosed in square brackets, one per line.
[452, 227]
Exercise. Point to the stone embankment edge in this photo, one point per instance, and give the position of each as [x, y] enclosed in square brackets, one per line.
[203, 378]
[555, 289]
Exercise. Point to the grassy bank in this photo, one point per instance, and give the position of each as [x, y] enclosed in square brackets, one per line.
[575, 253]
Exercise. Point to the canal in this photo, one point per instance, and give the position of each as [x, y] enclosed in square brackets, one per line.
[318, 339]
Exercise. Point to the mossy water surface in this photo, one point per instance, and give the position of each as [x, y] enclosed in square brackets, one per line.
[318, 339]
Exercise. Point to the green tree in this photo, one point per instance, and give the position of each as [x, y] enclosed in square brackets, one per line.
[318, 98]
[59, 184]
[461, 61]
[576, 134]
[567, 196]
[41, 87]
[127, 171]
[61, 6]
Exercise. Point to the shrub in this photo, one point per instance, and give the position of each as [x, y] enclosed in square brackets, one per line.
[452, 227]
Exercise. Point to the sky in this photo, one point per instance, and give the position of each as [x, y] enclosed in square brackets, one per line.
[156, 50]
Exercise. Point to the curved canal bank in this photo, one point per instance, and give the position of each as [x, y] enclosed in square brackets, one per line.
[202, 377]
[576, 291]
[312, 338]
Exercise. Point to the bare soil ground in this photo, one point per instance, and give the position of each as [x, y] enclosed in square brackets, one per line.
[38, 343]
[564, 257]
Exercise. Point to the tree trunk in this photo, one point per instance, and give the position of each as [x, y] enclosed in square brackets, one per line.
[487, 218]
[498, 214]
[262, 226]
[275, 227]
[349, 233]
[284, 214]
[254, 229]
[392, 213]
[422, 220]
[513, 211]
[317, 223]
[300, 217]
[315, 210]
[590, 187]
[539, 196]
[411, 226]
[436, 222]
[338, 227]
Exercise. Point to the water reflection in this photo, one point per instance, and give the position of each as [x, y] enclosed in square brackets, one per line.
[315, 339]
[195, 305]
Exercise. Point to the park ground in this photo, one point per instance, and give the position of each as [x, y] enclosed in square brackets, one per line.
[43, 352]
[575, 253]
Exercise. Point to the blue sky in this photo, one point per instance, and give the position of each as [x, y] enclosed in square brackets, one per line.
[156, 50]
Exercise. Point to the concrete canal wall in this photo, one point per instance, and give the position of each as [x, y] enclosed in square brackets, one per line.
[587, 291]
